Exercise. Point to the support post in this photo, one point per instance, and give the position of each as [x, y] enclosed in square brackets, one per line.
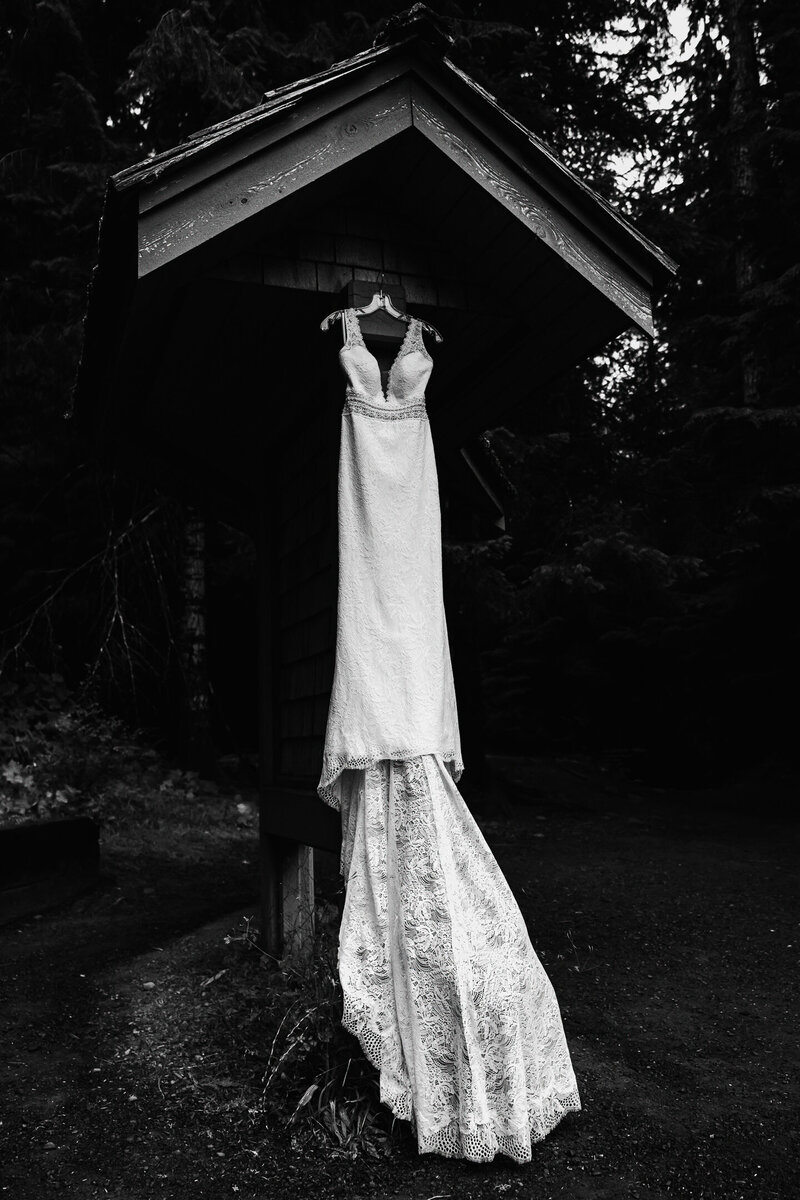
[270, 885]
[297, 900]
[269, 846]
[286, 868]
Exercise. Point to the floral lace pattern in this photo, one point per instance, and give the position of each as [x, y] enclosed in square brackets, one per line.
[393, 693]
[441, 984]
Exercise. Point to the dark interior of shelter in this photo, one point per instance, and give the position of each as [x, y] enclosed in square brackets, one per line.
[249, 391]
[205, 371]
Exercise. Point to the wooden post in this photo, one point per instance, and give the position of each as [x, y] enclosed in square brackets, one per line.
[269, 846]
[297, 900]
[286, 869]
[196, 721]
[269, 877]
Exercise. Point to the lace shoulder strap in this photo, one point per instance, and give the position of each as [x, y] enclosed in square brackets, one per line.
[354, 336]
[413, 339]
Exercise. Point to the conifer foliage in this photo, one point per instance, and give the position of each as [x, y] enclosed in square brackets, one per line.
[654, 501]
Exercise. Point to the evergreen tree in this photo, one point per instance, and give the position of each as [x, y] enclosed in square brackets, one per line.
[656, 502]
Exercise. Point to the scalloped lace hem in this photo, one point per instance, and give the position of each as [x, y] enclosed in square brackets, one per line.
[480, 1144]
[328, 786]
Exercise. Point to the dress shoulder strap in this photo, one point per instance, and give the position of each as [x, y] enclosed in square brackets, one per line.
[414, 339]
[353, 334]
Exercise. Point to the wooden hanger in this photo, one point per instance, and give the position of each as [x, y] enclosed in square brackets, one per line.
[382, 300]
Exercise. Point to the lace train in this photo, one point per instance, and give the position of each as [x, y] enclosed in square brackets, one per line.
[441, 984]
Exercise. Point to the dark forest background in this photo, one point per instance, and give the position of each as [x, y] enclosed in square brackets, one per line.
[643, 601]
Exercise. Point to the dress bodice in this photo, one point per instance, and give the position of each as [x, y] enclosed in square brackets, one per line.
[393, 695]
[408, 375]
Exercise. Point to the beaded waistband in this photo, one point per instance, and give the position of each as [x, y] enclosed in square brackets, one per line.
[356, 402]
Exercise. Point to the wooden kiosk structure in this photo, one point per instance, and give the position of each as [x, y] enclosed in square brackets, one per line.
[203, 355]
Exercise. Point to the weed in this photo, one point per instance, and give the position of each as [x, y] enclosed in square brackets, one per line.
[584, 963]
[315, 1081]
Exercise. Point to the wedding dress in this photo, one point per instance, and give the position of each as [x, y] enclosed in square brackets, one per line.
[441, 984]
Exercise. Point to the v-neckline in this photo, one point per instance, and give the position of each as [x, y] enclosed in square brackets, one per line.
[401, 351]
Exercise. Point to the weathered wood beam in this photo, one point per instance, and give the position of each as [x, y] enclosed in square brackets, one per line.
[215, 206]
[500, 178]
[224, 145]
[297, 901]
[288, 109]
[567, 189]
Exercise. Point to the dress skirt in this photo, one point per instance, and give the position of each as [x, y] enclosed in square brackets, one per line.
[441, 984]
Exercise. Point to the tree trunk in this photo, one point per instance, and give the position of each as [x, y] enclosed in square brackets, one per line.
[746, 121]
[196, 730]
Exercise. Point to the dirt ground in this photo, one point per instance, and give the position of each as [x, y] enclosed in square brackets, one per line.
[667, 921]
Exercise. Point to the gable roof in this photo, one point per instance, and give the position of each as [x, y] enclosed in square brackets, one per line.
[223, 175]
[524, 216]
[289, 99]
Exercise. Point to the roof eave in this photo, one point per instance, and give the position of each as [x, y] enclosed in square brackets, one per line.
[413, 53]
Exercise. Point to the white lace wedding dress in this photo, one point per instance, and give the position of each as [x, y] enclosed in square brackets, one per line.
[441, 984]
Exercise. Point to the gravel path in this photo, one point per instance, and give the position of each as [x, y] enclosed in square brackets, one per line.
[667, 921]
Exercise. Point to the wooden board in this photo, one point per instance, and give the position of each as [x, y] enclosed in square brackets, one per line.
[291, 107]
[270, 176]
[226, 144]
[541, 162]
[507, 184]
